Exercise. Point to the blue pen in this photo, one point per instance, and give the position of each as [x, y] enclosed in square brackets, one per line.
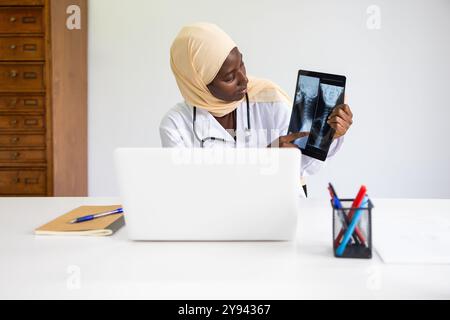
[343, 217]
[340, 250]
[96, 216]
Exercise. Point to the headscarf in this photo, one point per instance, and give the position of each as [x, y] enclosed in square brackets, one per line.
[196, 56]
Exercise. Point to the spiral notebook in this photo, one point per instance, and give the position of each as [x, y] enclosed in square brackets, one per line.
[104, 226]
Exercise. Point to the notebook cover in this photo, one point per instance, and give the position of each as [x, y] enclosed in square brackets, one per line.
[98, 227]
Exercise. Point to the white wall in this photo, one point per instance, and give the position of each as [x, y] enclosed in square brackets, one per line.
[398, 80]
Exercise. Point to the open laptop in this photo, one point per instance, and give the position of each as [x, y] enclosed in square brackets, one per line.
[219, 194]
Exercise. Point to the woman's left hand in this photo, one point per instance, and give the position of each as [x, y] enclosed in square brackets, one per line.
[341, 119]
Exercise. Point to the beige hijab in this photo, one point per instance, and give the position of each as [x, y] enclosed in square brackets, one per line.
[196, 56]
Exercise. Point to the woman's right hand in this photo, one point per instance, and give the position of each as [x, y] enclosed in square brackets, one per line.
[286, 141]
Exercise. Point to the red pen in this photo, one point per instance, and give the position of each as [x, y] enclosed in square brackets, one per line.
[356, 204]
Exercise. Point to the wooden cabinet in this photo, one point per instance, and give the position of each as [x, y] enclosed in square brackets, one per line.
[43, 128]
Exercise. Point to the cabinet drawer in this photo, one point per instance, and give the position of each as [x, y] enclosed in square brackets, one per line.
[22, 48]
[22, 182]
[22, 123]
[22, 140]
[21, 2]
[21, 20]
[22, 156]
[21, 77]
[29, 103]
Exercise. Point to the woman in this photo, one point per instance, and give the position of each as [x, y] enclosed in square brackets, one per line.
[224, 107]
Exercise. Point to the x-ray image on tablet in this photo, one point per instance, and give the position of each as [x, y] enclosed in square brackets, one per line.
[317, 94]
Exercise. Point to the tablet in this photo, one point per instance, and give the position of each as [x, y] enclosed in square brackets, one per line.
[316, 96]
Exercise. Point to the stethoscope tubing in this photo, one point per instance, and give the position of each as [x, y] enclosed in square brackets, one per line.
[202, 141]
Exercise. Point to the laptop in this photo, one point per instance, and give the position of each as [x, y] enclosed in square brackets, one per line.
[217, 194]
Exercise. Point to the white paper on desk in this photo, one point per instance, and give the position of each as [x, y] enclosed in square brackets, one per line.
[410, 238]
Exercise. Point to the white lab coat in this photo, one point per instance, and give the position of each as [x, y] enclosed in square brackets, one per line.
[268, 122]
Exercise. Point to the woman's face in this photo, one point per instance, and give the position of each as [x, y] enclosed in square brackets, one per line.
[230, 84]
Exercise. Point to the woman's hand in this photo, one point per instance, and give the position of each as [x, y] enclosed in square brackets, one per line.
[286, 141]
[341, 119]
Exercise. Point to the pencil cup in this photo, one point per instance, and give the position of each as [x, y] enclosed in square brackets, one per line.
[352, 229]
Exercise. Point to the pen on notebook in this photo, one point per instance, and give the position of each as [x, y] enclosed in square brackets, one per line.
[96, 216]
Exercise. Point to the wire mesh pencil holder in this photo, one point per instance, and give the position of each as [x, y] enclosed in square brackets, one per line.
[352, 229]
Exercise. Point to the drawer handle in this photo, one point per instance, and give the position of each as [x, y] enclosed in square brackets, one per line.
[31, 122]
[30, 102]
[26, 181]
[15, 155]
[13, 47]
[14, 74]
[29, 47]
[14, 122]
[31, 181]
[30, 75]
[15, 140]
[13, 103]
[13, 19]
[29, 20]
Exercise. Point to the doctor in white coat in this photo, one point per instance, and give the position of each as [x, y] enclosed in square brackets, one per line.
[223, 107]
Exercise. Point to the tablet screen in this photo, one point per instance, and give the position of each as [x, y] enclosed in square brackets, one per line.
[316, 96]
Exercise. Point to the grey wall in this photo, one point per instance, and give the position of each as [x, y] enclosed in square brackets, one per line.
[398, 80]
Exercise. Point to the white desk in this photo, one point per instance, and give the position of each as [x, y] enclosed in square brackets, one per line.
[48, 267]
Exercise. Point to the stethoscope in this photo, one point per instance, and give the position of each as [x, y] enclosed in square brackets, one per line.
[203, 141]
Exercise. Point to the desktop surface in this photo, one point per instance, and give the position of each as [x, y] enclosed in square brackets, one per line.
[39, 267]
